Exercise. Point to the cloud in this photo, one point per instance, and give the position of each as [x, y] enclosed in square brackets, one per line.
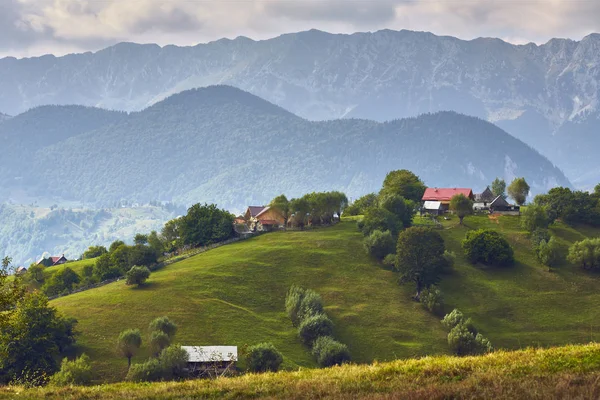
[38, 26]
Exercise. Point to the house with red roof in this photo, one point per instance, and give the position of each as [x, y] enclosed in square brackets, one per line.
[436, 200]
[52, 261]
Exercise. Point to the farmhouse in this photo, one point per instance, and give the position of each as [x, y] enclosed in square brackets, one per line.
[21, 270]
[52, 261]
[500, 206]
[262, 218]
[443, 195]
[209, 360]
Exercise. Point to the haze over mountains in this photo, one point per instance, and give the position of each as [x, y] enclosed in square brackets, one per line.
[545, 95]
[221, 144]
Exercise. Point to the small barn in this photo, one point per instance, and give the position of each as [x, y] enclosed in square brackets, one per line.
[52, 261]
[211, 360]
[483, 199]
[500, 206]
[432, 207]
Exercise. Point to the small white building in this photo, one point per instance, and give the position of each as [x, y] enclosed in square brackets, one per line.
[432, 207]
[207, 359]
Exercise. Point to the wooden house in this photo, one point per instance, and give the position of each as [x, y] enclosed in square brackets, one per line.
[211, 361]
[262, 218]
[500, 206]
[444, 195]
[52, 261]
[483, 199]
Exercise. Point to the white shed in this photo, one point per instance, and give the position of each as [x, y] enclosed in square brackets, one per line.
[204, 360]
[432, 207]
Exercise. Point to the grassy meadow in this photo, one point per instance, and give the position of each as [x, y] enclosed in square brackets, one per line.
[234, 295]
[563, 372]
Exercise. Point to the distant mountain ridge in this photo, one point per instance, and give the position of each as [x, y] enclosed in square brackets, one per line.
[221, 144]
[546, 95]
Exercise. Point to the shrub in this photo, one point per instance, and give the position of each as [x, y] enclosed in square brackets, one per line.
[173, 361]
[550, 253]
[263, 357]
[534, 217]
[164, 324]
[129, 343]
[487, 247]
[432, 299]
[93, 252]
[538, 236]
[150, 371]
[450, 260]
[463, 341]
[76, 372]
[379, 219]
[293, 300]
[330, 352]
[585, 253]
[453, 318]
[158, 341]
[379, 244]
[389, 260]
[311, 304]
[313, 327]
[137, 275]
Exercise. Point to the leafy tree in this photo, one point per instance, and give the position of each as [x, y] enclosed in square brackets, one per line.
[360, 205]
[63, 280]
[463, 338]
[455, 318]
[403, 209]
[140, 239]
[585, 253]
[293, 302]
[35, 273]
[314, 326]
[171, 234]
[403, 183]
[104, 269]
[432, 299]
[155, 243]
[571, 207]
[173, 361]
[76, 372]
[379, 244]
[461, 205]
[149, 371]
[488, 247]
[263, 357]
[311, 304]
[129, 343]
[519, 190]
[115, 245]
[550, 253]
[329, 352]
[164, 324]
[159, 341]
[534, 217]
[206, 224]
[299, 208]
[93, 252]
[32, 336]
[538, 236]
[87, 271]
[420, 257]
[137, 276]
[499, 187]
[141, 255]
[119, 258]
[379, 219]
[282, 205]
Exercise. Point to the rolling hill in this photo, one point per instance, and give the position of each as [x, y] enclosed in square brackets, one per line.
[234, 295]
[546, 95]
[224, 145]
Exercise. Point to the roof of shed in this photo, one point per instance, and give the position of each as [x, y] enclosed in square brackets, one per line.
[211, 353]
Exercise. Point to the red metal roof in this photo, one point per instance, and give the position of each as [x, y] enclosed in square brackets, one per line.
[445, 194]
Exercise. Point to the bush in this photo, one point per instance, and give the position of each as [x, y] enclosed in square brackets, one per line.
[158, 341]
[534, 217]
[93, 252]
[463, 341]
[293, 300]
[311, 304]
[379, 219]
[488, 247]
[263, 357]
[313, 327]
[137, 275]
[453, 318]
[173, 361]
[390, 260]
[450, 260]
[550, 253]
[585, 253]
[164, 324]
[432, 299]
[76, 372]
[329, 352]
[538, 236]
[379, 244]
[150, 371]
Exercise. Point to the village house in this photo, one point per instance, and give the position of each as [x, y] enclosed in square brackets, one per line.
[52, 261]
[500, 206]
[211, 360]
[483, 199]
[437, 200]
[21, 271]
[263, 218]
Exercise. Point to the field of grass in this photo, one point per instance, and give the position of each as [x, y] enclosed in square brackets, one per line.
[234, 295]
[564, 372]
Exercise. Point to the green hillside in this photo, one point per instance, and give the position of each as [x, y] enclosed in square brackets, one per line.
[234, 295]
[570, 372]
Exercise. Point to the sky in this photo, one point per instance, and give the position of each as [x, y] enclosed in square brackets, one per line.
[36, 27]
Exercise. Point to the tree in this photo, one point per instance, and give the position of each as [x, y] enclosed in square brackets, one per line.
[158, 341]
[76, 372]
[173, 361]
[488, 247]
[403, 183]
[282, 205]
[164, 324]
[293, 302]
[61, 281]
[140, 239]
[299, 209]
[129, 343]
[403, 209]
[93, 252]
[379, 244]
[311, 304]
[585, 253]
[314, 326]
[115, 245]
[329, 351]
[550, 253]
[104, 269]
[206, 224]
[461, 205]
[155, 243]
[379, 219]
[499, 187]
[36, 273]
[263, 357]
[420, 257]
[360, 205]
[534, 217]
[518, 190]
[137, 275]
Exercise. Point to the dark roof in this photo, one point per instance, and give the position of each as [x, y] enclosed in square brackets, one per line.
[255, 210]
[499, 202]
[445, 194]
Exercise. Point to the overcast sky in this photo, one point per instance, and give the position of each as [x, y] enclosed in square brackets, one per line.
[35, 27]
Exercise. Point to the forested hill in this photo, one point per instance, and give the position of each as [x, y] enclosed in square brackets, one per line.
[220, 144]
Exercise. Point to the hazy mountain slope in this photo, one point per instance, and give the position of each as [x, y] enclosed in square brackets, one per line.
[24, 135]
[223, 145]
[4, 117]
[382, 76]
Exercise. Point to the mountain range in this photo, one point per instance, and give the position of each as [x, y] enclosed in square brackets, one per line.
[546, 95]
[221, 144]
